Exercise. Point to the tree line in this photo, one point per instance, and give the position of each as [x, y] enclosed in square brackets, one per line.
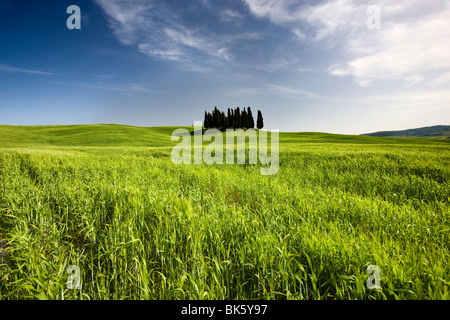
[234, 119]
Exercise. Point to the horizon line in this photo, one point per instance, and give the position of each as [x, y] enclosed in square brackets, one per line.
[171, 126]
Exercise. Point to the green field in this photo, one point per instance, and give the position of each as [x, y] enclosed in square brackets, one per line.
[108, 199]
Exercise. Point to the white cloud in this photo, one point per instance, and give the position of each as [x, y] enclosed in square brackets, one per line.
[326, 18]
[187, 38]
[292, 91]
[278, 11]
[270, 89]
[153, 29]
[278, 64]
[442, 79]
[105, 76]
[158, 31]
[127, 18]
[106, 85]
[230, 15]
[8, 68]
[163, 54]
[413, 41]
[223, 53]
[333, 17]
[437, 98]
[300, 35]
[400, 51]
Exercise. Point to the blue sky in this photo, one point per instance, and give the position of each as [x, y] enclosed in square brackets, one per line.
[307, 65]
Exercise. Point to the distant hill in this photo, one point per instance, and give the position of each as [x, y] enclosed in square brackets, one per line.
[436, 132]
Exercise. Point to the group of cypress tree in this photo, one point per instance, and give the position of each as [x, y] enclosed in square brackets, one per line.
[234, 119]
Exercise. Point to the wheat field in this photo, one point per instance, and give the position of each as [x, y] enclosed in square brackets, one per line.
[109, 200]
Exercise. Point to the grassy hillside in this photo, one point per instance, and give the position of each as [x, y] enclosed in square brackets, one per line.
[86, 135]
[113, 135]
[109, 200]
[434, 132]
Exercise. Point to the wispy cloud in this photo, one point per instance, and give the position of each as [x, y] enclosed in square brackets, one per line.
[293, 91]
[127, 18]
[300, 69]
[299, 34]
[400, 100]
[126, 87]
[400, 50]
[105, 76]
[270, 89]
[445, 78]
[414, 38]
[163, 54]
[278, 11]
[160, 32]
[278, 64]
[8, 68]
[229, 15]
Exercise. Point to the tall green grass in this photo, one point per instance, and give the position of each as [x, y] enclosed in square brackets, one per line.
[140, 227]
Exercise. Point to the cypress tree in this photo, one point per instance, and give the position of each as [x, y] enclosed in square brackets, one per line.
[233, 118]
[260, 121]
[251, 123]
[237, 119]
[244, 119]
[215, 118]
[223, 120]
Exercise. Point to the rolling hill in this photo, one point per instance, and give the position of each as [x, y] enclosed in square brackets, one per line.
[436, 132]
[114, 135]
[86, 135]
